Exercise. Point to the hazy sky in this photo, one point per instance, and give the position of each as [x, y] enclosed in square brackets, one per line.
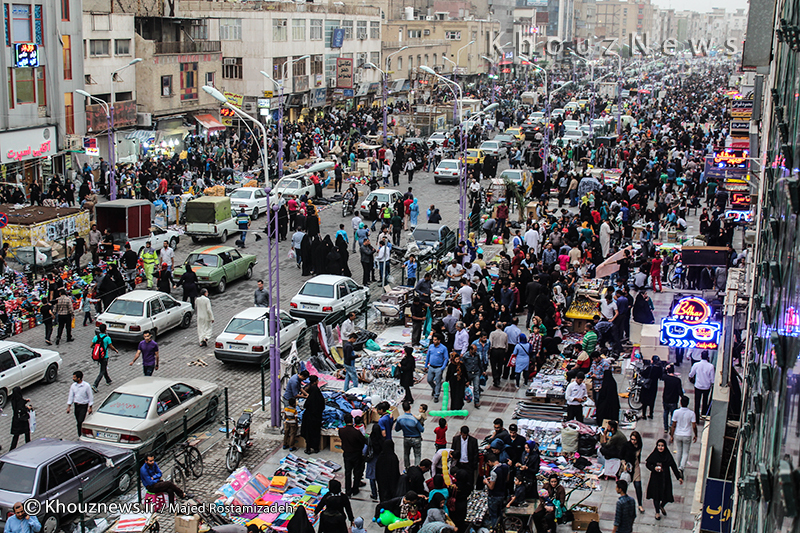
[700, 6]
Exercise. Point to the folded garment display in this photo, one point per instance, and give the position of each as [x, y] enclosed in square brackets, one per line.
[337, 403]
[539, 411]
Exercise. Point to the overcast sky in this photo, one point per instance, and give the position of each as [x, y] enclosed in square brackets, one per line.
[700, 6]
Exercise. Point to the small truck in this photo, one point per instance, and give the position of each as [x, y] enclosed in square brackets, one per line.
[210, 217]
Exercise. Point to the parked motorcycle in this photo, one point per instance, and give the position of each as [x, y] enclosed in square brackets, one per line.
[239, 440]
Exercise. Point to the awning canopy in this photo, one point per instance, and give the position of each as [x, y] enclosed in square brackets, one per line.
[209, 122]
[141, 135]
[397, 85]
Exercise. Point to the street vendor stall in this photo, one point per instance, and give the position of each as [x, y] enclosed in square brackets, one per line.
[583, 308]
[43, 226]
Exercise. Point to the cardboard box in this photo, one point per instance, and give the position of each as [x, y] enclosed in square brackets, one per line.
[336, 445]
[187, 524]
[582, 519]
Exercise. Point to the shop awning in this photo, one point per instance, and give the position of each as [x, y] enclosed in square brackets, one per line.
[397, 85]
[141, 135]
[362, 90]
[209, 122]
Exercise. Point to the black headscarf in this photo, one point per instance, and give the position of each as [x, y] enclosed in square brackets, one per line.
[387, 472]
[299, 522]
[344, 255]
[608, 398]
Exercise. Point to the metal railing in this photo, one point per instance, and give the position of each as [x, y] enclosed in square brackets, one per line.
[187, 47]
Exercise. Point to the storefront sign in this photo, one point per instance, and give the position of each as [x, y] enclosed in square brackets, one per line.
[90, 146]
[337, 37]
[226, 114]
[344, 73]
[742, 109]
[688, 326]
[740, 127]
[717, 506]
[22, 145]
[740, 200]
[745, 217]
[124, 115]
[726, 164]
[318, 97]
[26, 55]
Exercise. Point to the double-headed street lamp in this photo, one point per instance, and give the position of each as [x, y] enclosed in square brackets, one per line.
[372, 65]
[109, 109]
[493, 73]
[280, 86]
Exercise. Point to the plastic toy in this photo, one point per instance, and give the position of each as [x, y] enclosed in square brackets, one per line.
[387, 518]
[446, 404]
[400, 524]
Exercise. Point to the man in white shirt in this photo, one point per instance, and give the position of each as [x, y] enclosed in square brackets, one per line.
[684, 431]
[382, 257]
[356, 223]
[576, 396]
[454, 274]
[461, 341]
[532, 238]
[466, 296]
[348, 326]
[80, 395]
[167, 256]
[702, 376]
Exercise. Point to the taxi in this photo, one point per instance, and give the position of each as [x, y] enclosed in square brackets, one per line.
[516, 132]
[475, 156]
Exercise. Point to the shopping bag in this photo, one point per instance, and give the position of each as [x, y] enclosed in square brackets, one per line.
[292, 254]
[512, 361]
[468, 394]
[32, 420]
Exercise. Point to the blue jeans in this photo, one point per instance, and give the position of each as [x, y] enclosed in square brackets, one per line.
[350, 377]
[465, 308]
[669, 408]
[435, 380]
[297, 255]
[494, 510]
[148, 370]
[476, 388]
[244, 236]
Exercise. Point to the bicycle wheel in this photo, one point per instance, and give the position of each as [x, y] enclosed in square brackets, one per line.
[194, 462]
[635, 398]
[232, 458]
[513, 524]
[179, 478]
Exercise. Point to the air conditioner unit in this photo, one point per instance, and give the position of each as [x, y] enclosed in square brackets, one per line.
[426, 32]
[429, 17]
[144, 119]
[249, 107]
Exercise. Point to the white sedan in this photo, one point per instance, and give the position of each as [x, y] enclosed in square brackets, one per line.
[293, 187]
[21, 366]
[495, 148]
[326, 294]
[246, 337]
[437, 137]
[253, 199]
[158, 236]
[383, 196]
[138, 311]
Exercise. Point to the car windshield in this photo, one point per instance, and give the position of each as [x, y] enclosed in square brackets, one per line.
[382, 198]
[489, 144]
[448, 164]
[126, 307]
[427, 235]
[202, 260]
[17, 478]
[122, 404]
[241, 194]
[246, 326]
[510, 175]
[317, 290]
[288, 183]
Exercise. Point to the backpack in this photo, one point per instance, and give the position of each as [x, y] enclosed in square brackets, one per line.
[99, 348]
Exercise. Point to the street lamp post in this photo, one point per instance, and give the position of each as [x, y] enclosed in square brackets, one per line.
[594, 91]
[545, 146]
[386, 91]
[372, 65]
[493, 73]
[619, 92]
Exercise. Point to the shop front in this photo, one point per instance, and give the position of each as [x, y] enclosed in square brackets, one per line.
[26, 156]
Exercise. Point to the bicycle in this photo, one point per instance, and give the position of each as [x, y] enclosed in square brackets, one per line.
[188, 460]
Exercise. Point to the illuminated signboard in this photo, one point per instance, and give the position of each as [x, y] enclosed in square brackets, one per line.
[727, 164]
[739, 216]
[740, 200]
[688, 326]
[26, 55]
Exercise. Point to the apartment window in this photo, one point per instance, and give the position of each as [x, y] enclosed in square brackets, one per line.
[399, 63]
[231, 68]
[299, 29]
[347, 26]
[188, 81]
[65, 10]
[374, 30]
[199, 30]
[210, 79]
[316, 29]
[330, 25]
[317, 65]
[452, 35]
[166, 86]
[21, 30]
[230, 29]
[361, 29]
[41, 87]
[24, 86]
[299, 68]
[474, 36]
[99, 47]
[122, 47]
[375, 58]
[66, 52]
[361, 59]
[426, 59]
[414, 34]
[330, 66]
[435, 62]
[410, 62]
[277, 67]
[69, 114]
[278, 30]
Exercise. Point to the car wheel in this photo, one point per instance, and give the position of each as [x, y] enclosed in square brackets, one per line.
[124, 482]
[249, 273]
[173, 243]
[153, 333]
[51, 374]
[186, 321]
[222, 285]
[436, 180]
[224, 237]
[211, 411]
[195, 239]
[254, 216]
[50, 524]
[3, 397]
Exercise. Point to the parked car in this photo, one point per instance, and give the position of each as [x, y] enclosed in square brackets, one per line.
[21, 366]
[518, 176]
[138, 311]
[146, 413]
[217, 266]
[495, 148]
[326, 294]
[439, 239]
[293, 187]
[246, 337]
[571, 136]
[557, 112]
[158, 236]
[447, 170]
[254, 200]
[47, 469]
[572, 124]
[384, 196]
[437, 137]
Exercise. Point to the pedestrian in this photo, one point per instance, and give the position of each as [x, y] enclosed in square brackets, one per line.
[243, 222]
[164, 279]
[435, 361]
[66, 315]
[625, 513]
[387, 472]
[20, 417]
[297, 245]
[78, 250]
[312, 416]
[167, 255]
[21, 522]
[496, 488]
[521, 360]
[499, 341]
[148, 350]
[476, 362]
[149, 257]
[153, 482]
[205, 318]
[48, 316]
[80, 395]
[418, 317]
[632, 455]
[684, 431]
[94, 241]
[261, 295]
[544, 518]
[607, 399]
[100, 345]
[457, 377]
[407, 366]
[576, 396]
[374, 447]
[86, 306]
[367, 256]
[411, 266]
[189, 282]
[660, 463]
[349, 357]
[353, 443]
[673, 391]
[412, 430]
[702, 377]
[651, 375]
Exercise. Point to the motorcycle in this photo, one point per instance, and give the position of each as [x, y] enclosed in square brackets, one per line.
[239, 441]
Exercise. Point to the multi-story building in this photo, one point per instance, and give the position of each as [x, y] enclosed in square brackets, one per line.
[585, 19]
[619, 19]
[530, 28]
[43, 65]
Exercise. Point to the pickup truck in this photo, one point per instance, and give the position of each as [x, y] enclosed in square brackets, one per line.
[210, 217]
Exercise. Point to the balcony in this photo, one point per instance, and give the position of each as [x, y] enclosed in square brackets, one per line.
[187, 47]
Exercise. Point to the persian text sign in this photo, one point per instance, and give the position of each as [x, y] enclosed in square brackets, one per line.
[344, 73]
[688, 326]
[21, 145]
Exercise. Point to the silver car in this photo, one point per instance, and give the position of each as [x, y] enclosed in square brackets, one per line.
[54, 469]
[138, 311]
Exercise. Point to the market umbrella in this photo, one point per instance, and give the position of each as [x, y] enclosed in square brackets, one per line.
[609, 266]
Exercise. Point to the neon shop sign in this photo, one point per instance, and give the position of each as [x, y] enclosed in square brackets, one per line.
[688, 326]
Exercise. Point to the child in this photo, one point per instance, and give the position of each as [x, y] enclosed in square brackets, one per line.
[441, 435]
[518, 500]
[290, 425]
[414, 514]
[358, 421]
[86, 304]
[423, 413]
[358, 525]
